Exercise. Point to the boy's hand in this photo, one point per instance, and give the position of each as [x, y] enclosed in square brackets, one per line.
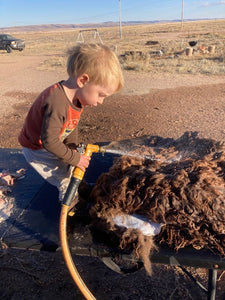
[84, 162]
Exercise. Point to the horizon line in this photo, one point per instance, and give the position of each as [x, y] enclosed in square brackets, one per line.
[110, 22]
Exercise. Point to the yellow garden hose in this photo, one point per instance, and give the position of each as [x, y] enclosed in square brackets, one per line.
[71, 192]
[67, 255]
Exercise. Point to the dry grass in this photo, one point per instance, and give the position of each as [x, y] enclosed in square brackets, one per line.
[172, 39]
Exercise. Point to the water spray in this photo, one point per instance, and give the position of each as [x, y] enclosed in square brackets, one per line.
[132, 153]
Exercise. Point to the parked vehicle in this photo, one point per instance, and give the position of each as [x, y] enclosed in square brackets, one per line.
[9, 43]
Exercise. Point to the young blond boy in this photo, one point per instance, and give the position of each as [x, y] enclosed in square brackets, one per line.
[49, 136]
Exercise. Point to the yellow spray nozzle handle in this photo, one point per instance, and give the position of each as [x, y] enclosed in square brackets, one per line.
[78, 173]
[90, 149]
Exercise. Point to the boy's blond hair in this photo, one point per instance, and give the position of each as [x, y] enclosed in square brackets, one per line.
[98, 61]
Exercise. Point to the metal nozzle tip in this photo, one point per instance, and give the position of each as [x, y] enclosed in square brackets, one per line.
[102, 149]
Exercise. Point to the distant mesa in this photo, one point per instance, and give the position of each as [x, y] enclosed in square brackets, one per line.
[53, 27]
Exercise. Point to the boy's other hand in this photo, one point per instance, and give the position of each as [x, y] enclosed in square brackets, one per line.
[84, 162]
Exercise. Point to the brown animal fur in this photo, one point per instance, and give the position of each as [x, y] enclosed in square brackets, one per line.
[187, 194]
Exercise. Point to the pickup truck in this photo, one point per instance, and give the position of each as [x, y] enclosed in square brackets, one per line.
[9, 43]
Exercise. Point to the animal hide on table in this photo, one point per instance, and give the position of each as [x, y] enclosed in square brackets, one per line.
[182, 186]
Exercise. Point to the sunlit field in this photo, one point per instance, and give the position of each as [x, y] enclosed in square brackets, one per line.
[150, 48]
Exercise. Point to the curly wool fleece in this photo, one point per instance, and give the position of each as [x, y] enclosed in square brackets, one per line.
[185, 194]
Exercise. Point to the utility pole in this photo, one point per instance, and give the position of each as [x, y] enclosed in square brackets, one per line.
[182, 20]
[182, 14]
[120, 20]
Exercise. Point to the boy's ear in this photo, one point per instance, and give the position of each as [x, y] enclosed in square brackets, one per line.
[82, 80]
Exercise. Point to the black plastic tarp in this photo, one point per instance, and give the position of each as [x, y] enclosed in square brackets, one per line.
[34, 221]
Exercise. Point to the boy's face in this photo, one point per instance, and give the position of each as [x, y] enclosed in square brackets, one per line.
[91, 94]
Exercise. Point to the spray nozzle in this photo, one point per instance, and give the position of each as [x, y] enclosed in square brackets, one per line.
[102, 150]
[89, 149]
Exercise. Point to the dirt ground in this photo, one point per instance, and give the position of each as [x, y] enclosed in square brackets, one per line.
[153, 104]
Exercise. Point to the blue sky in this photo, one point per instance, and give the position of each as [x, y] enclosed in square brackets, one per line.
[34, 12]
